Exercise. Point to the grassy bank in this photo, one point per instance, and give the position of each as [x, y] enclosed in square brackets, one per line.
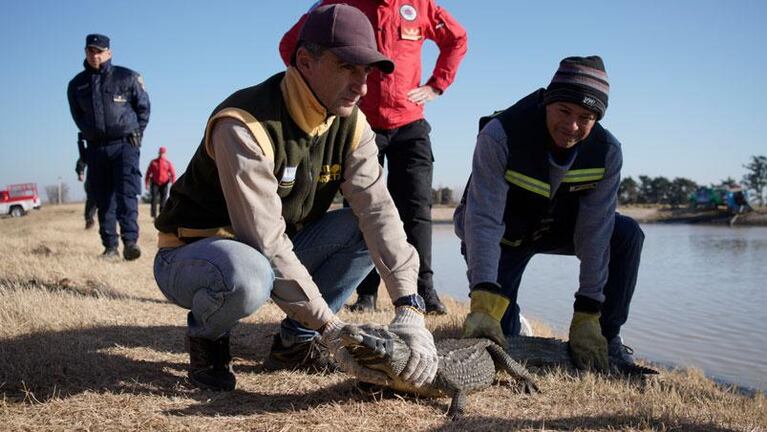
[87, 344]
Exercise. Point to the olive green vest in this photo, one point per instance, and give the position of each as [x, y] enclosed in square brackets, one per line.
[309, 168]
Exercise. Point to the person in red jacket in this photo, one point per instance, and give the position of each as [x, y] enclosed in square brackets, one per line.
[394, 107]
[159, 176]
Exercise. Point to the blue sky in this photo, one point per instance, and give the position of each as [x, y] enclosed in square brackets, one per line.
[687, 77]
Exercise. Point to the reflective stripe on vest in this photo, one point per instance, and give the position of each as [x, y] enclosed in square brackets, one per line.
[584, 175]
[528, 183]
[544, 189]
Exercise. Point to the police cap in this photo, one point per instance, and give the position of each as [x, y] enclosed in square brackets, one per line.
[98, 41]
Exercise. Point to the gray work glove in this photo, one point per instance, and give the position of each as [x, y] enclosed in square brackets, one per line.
[332, 339]
[409, 324]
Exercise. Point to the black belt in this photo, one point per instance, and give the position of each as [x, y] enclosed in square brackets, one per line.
[102, 143]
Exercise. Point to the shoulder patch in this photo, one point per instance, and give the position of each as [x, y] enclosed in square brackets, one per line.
[140, 80]
[408, 12]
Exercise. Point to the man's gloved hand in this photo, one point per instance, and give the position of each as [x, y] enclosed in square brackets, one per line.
[587, 345]
[484, 320]
[331, 338]
[409, 324]
[135, 138]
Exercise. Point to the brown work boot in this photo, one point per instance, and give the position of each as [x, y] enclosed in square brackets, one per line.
[364, 303]
[210, 364]
[312, 356]
[434, 305]
[89, 223]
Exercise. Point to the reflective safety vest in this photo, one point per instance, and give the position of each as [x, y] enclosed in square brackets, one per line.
[532, 211]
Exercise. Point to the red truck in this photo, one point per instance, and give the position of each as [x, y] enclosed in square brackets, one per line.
[17, 199]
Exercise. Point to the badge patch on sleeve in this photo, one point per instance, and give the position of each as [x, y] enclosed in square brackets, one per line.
[580, 187]
[288, 176]
[140, 80]
[411, 33]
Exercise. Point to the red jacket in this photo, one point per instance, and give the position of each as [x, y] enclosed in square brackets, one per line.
[160, 171]
[401, 27]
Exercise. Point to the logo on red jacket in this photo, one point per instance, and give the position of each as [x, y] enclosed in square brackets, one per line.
[408, 12]
[412, 33]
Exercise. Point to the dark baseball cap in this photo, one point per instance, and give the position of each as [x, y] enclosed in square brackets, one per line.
[98, 41]
[346, 32]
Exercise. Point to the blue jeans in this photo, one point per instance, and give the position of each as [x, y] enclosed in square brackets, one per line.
[222, 280]
[625, 250]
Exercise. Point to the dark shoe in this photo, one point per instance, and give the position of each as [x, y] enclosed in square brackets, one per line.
[210, 364]
[89, 223]
[433, 304]
[131, 251]
[110, 252]
[364, 303]
[312, 357]
[617, 352]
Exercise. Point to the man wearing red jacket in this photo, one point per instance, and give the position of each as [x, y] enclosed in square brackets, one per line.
[159, 176]
[394, 108]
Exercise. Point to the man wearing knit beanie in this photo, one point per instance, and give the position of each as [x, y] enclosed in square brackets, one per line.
[544, 179]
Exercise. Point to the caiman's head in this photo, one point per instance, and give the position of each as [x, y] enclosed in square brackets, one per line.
[375, 347]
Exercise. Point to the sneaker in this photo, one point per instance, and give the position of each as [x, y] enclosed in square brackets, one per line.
[131, 251]
[364, 303]
[110, 252]
[89, 223]
[210, 364]
[618, 352]
[433, 304]
[312, 356]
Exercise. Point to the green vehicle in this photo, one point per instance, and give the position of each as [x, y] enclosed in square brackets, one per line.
[708, 198]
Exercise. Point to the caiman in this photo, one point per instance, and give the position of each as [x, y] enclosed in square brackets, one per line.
[465, 365]
[539, 352]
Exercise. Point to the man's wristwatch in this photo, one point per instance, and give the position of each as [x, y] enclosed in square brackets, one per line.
[412, 300]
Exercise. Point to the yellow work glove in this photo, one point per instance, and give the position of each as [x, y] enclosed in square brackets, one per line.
[484, 320]
[587, 345]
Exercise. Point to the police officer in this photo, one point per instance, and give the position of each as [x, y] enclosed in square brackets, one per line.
[111, 108]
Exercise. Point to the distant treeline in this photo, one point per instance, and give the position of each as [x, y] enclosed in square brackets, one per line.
[676, 192]
[647, 190]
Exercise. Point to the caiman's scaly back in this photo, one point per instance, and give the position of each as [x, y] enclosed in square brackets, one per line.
[465, 365]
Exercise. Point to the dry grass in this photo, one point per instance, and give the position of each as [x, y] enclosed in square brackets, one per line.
[87, 344]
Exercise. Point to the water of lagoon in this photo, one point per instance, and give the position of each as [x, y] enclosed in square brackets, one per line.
[700, 300]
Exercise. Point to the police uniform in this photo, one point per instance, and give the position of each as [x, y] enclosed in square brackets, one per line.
[111, 109]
